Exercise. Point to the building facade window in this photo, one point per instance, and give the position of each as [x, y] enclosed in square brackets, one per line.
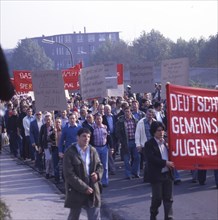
[68, 39]
[79, 49]
[113, 37]
[62, 39]
[92, 48]
[59, 50]
[91, 38]
[53, 52]
[102, 37]
[79, 38]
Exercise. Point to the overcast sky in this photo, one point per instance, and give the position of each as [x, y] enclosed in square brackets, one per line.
[174, 19]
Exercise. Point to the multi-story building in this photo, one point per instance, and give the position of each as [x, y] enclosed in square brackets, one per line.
[81, 45]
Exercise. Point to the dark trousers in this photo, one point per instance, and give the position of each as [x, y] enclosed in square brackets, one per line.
[202, 174]
[39, 161]
[55, 159]
[92, 213]
[145, 174]
[162, 191]
[14, 143]
[26, 149]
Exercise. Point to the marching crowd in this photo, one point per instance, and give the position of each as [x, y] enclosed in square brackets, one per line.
[118, 126]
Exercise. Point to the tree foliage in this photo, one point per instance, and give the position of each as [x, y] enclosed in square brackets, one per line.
[155, 47]
[151, 46]
[29, 55]
[208, 56]
[111, 51]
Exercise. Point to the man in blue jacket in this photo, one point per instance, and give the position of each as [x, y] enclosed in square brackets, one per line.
[69, 134]
[35, 127]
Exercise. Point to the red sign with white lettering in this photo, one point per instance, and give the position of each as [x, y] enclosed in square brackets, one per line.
[71, 77]
[119, 74]
[193, 127]
[22, 80]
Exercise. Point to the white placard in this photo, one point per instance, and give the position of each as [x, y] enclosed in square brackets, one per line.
[92, 82]
[141, 77]
[174, 71]
[119, 91]
[48, 87]
[110, 70]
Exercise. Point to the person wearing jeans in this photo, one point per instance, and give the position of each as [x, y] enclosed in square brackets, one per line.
[83, 171]
[26, 124]
[125, 130]
[100, 134]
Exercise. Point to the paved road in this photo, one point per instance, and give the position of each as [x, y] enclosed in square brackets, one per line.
[130, 199]
[30, 196]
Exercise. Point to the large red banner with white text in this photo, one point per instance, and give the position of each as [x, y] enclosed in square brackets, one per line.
[22, 81]
[193, 127]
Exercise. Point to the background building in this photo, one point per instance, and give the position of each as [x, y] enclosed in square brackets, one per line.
[82, 45]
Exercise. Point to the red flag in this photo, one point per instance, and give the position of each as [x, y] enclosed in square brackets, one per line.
[119, 74]
[22, 80]
[193, 127]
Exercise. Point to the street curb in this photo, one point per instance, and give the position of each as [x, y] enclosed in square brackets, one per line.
[105, 209]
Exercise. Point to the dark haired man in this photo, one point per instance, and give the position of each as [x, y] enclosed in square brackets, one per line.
[160, 172]
[29, 151]
[68, 135]
[82, 171]
[100, 135]
[125, 130]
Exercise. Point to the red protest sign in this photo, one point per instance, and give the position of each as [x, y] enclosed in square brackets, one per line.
[193, 127]
[119, 74]
[71, 77]
[22, 80]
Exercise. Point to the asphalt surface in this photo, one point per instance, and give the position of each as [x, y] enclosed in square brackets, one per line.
[130, 199]
[30, 196]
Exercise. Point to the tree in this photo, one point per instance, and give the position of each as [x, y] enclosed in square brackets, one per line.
[111, 51]
[190, 49]
[28, 55]
[151, 46]
[209, 53]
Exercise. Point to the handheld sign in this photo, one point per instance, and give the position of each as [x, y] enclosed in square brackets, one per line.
[175, 71]
[92, 82]
[48, 87]
[193, 127]
[141, 77]
[22, 81]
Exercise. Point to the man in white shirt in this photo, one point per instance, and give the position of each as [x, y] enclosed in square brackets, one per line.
[160, 172]
[83, 171]
[26, 124]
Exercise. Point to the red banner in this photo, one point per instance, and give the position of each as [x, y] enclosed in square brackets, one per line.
[193, 127]
[71, 78]
[22, 80]
[119, 74]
